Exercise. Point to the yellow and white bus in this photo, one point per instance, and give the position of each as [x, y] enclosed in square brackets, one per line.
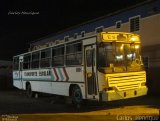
[105, 66]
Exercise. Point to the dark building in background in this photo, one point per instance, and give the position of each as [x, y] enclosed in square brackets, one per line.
[6, 75]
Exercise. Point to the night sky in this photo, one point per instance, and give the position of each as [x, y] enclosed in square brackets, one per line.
[24, 21]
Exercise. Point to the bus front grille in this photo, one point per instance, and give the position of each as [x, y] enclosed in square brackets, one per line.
[126, 81]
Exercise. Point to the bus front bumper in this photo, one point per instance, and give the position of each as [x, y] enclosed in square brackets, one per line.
[118, 95]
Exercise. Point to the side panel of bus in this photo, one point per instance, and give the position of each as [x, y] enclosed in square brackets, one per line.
[60, 80]
[54, 80]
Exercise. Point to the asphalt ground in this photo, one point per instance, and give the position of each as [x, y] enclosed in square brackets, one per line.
[16, 106]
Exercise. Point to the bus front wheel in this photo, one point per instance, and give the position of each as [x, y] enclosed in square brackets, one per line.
[76, 96]
[29, 91]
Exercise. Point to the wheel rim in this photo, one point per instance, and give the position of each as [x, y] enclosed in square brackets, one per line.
[77, 96]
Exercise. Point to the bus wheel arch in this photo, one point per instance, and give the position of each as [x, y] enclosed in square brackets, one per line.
[71, 88]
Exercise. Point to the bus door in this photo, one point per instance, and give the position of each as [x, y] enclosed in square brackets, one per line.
[90, 71]
[20, 71]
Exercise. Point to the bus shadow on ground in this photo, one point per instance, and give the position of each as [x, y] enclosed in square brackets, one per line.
[147, 101]
[88, 106]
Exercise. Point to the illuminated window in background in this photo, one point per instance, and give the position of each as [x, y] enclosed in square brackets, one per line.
[134, 24]
[118, 24]
[75, 35]
[82, 33]
[99, 29]
[66, 38]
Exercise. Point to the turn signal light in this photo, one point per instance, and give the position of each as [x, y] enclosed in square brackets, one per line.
[110, 88]
[143, 84]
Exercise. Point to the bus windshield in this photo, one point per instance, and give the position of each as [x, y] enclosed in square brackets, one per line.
[119, 57]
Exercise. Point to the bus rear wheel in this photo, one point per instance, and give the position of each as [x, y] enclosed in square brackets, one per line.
[77, 96]
[29, 91]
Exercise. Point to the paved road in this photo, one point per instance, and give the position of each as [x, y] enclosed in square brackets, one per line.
[16, 106]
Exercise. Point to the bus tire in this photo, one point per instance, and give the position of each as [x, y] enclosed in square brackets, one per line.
[76, 96]
[29, 91]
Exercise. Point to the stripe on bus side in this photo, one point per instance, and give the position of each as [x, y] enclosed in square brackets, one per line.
[55, 72]
[52, 75]
[66, 75]
[59, 74]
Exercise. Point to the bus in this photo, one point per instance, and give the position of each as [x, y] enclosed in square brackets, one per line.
[104, 66]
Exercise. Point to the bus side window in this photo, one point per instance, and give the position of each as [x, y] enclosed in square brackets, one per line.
[74, 54]
[26, 62]
[79, 53]
[58, 56]
[35, 60]
[45, 58]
